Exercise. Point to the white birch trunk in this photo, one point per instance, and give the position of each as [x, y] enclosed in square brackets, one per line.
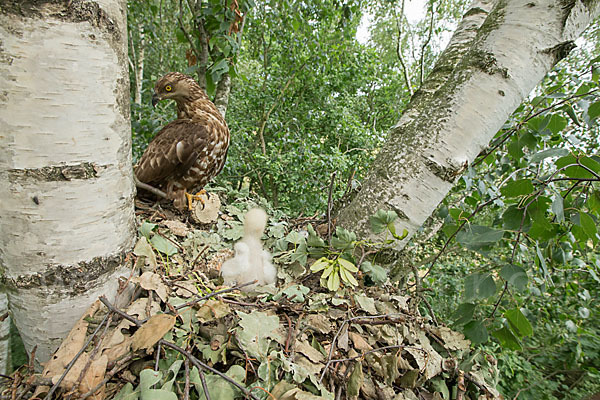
[66, 205]
[488, 69]
[4, 335]
[139, 68]
[222, 94]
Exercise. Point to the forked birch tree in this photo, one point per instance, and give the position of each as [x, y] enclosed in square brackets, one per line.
[66, 204]
[500, 51]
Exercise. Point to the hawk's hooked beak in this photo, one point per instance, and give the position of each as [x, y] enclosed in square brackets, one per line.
[155, 99]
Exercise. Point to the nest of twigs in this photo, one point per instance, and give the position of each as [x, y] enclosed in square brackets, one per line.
[175, 333]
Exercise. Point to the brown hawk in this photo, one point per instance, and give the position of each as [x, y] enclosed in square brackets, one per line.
[190, 151]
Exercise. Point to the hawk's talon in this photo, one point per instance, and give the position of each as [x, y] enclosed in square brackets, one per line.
[197, 196]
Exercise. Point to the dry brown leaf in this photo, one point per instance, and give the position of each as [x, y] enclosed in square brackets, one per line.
[359, 342]
[342, 342]
[71, 345]
[452, 339]
[151, 281]
[73, 376]
[313, 354]
[284, 390]
[212, 309]
[319, 322]
[144, 249]
[94, 375]
[185, 289]
[139, 307]
[176, 227]
[116, 352]
[152, 331]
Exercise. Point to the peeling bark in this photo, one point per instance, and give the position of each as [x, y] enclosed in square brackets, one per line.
[66, 211]
[483, 75]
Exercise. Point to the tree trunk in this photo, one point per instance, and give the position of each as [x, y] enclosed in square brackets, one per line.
[66, 207]
[4, 335]
[222, 94]
[492, 63]
[139, 68]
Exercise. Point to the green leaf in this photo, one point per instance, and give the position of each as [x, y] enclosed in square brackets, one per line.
[347, 277]
[148, 378]
[542, 261]
[515, 275]
[255, 331]
[347, 265]
[163, 245]
[477, 236]
[594, 110]
[519, 322]
[377, 274]
[295, 292]
[333, 281]
[557, 123]
[355, 381]
[571, 113]
[542, 155]
[342, 239]
[464, 313]
[517, 188]
[507, 339]
[512, 217]
[146, 228]
[588, 225]
[382, 220]
[476, 332]
[571, 169]
[558, 208]
[320, 264]
[294, 238]
[313, 239]
[593, 201]
[127, 393]
[479, 285]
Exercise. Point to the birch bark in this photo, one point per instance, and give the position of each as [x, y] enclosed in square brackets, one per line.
[499, 53]
[66, 204]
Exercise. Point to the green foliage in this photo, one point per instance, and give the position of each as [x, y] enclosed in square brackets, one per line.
[529, 207]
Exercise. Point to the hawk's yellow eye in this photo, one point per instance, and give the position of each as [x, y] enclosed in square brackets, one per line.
[168, 88]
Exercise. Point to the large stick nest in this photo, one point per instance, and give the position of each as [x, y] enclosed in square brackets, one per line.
[175, 333]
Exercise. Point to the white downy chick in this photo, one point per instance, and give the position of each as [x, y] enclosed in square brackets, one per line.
[251, 261]
[234, 269]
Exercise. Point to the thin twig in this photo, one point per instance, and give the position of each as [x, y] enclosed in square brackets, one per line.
[396, 346]
[199, 364]
[204, 385]
[74, 360]
[149, 188]
[361, 319]
[186, 388]
[439, 254]
[118, 367]
[96, 349]
[158, 348]
[425, 44]
[128, 317]
[213, 294]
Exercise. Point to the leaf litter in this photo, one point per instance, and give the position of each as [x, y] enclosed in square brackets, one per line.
[184, 335]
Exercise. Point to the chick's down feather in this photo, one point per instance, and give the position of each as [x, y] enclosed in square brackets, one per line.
[251, 262]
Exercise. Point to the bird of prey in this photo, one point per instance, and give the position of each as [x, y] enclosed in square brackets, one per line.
[189, 151]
